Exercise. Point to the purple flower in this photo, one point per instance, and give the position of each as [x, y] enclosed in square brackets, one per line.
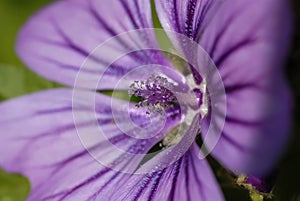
[247, 40]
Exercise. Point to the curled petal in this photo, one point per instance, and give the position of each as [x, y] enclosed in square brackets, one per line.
[187, 17]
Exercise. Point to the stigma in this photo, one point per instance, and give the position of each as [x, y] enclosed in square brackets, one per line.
[156, 94]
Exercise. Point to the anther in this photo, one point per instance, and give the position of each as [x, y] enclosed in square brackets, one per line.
[155, 93]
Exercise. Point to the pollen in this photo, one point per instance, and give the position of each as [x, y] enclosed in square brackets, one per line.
[155, 93]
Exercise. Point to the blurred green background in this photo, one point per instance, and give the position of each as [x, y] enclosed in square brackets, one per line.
[16, 80]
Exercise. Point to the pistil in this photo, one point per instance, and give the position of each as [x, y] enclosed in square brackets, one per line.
[156, 94]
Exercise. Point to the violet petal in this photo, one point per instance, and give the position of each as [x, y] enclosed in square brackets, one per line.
[250, 60]
[186, 179]
[56, 41]
[244, 41]
[41, 142]
[188, 17]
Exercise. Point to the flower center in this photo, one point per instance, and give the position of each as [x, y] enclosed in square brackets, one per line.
[156, 93]
[159, 94]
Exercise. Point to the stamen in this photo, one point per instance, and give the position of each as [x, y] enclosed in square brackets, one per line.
[158, 94]
[155, 93]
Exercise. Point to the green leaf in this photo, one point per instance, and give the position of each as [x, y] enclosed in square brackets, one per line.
[256, 197]
[13, 187]
[227, 180]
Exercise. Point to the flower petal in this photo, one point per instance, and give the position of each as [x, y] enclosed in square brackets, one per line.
[57, 40]
[257, 44]
[187, 17]
[39, 139]
[187, 179]
[250, 60]
[256, 132]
